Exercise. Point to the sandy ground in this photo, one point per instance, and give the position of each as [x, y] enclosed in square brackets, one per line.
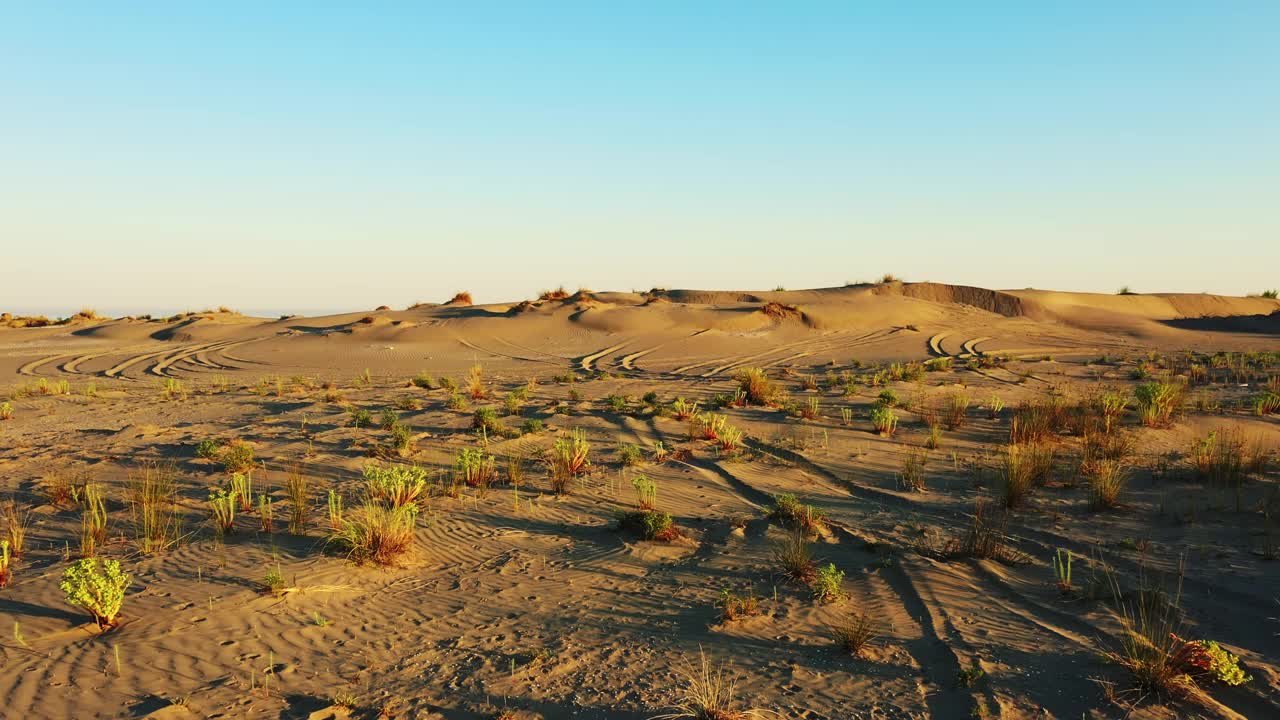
[520, 599]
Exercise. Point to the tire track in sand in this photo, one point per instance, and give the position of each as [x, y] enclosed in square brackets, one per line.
[587, 362]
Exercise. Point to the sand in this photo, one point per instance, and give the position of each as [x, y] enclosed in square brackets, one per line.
[525, 600]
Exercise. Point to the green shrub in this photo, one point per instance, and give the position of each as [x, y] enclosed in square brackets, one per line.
[791, 513]
[648, 524]
[827, 584]
[98, 586]
[207, 449]
[884, 420]
[360, 417]
[630, 455]
[531, 427]
[238, 457]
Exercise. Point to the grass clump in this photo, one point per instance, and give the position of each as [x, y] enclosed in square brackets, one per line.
[854, 633]
[1106, 479]
[153, 506]
[795, 559]
[474, 468]
[569, 459]
[911, 473]
[735, 607]
[801, 517]
[709, 693]
[757, 387]
[884, 420]
[1158, 400]
[376, 533]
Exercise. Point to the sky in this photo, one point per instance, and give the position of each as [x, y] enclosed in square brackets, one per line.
[312, 157]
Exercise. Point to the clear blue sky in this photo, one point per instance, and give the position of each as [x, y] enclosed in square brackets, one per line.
[298, 157]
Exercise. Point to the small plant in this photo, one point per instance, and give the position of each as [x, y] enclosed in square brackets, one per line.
[911, 475]
[273, 582]
[649, 524]
[360, 417]
[97, 586]
[335, 510]
[827, 584]
[237, 457]
[1062, 570]
[475, 468]
[757, 386]
[683, 410]
[485, 421]
[242, 488]
[630, 455]
[709, 694]
[222, 510]
[1214, 663]
[93, 520]
[793, 556]
[207, 449]
[266, 513]
[6, 560]
[968, 677]
[735, 607]
[994, 406]
[395, 485]
[888, 398]
[646, 492]
[475, 383]
[296, 488]
[568, 459]
[1158, 400]
[884, 421]
[791, 513]
[153, 507]
[424, 381]
[6, 411]
[1107, 479]
[854, 633]
[955, 410]
[378, 534]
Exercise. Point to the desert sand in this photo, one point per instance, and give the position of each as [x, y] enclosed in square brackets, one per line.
[517, 601]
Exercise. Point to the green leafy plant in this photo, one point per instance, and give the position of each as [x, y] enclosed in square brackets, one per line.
[827, 585]
[884, 420]
[98, 586]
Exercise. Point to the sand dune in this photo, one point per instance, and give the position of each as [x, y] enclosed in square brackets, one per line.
[519, 598]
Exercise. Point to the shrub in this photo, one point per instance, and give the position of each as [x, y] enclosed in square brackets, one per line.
[1271, 294]
[395, 485]
[648, 524]
[424, 381]
[388, 418]
[884, 421]
[238, 457]
[97, 586]
[485, 420]
[461, 298]
[475, 468]
[377, 534]
[1158, 401]
[795, 558]
[827, 584]
[735, 607]
[360, 417]
[530, 427]
[757, 386]
[888, 398]
[630, 455]
[1219, 458]
[456, 402]
[1215, 663]
[6, 411]
[207, 449]
[854, 633]
[791, 513]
